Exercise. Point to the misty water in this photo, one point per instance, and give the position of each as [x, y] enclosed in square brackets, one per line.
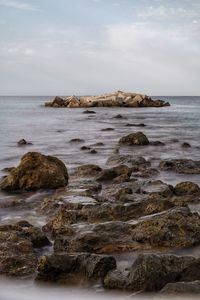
[50, 131]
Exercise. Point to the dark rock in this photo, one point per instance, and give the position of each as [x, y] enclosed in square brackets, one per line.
[182, 288]
[114, 172]
[118, 117]
[135, 125]
[130, 160]
[107, 129]
[89, 170]
[157, 187]
[91, 266]
[137, 138]
[157, 143]
[185, 166]
[36, 171]
[8, 170]
[149, 273]
[93, 151]
[77, 141]
[89, 112]
[23, 142]
[85, 148]
[185, 145]
[187, 188]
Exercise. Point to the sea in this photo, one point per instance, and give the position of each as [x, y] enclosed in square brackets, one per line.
[50, 130]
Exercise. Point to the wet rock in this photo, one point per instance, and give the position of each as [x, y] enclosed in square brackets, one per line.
[107, 129]
[130, 160]
[182, 288]
[89, 170]
[149, 273]
[63, 265]
[147, 173]
[85, 148]
[99, 144]
[157, 187]
[114, 172]
[135, 125]
[187, 188]
[157, 143]
[17, 241]
[137, 138]
[93, 151]
[36, 171]
[118, 117]
[76, 140]
[23, 142]
[177, 228]
[185, 145]
[89, 112]
[8, 169]
[191, 272]
[185, 166]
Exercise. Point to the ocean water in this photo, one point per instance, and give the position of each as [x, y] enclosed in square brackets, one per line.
[50, 131]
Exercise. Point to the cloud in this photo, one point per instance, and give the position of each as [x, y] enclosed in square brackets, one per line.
[19, 5]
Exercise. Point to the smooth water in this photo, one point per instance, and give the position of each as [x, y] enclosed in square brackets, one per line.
[50, 130]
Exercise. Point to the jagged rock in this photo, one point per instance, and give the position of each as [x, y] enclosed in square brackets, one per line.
[36, 171]
[119, 99]
[187, 188]
[63, 265]
[185, 166]
[138, 138]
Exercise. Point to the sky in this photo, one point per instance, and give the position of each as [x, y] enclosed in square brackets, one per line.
[64, 47]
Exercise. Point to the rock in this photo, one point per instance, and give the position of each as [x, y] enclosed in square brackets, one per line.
[17, 241]
[149, 273]
[107, 129]
[169, 229]
[118, 99]
[130, 160]
[23, 142]
[157, 187]
[8, 169]
[185, 145]
[137, 138]
[113, 173]
[76, 140]
[184, 166]
[85, 148]
[36, 171]
[89, 170]
[182, 288]
[157, 143]
[89, 112]
[187, 188]
[93, 151]
[73, 102]
[135, 125]
[147, 173]
[191, 272]
[57, 102]
[63, 265]
[118, 117]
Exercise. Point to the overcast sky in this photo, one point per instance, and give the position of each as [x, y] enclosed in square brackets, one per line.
[61, 47]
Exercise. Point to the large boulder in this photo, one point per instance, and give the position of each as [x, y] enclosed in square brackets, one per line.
[137, 138]
[36, 171]
[187, 188]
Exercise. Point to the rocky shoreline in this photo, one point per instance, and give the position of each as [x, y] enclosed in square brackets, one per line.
[117, 99]
[97, 213]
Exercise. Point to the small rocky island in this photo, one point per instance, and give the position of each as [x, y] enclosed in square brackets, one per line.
[117, 99]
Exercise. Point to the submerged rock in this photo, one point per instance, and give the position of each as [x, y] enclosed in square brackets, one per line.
[23, 142]
[36, 171]
[138, 138]
[185, 166]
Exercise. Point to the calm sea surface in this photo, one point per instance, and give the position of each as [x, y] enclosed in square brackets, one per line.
[50, 131]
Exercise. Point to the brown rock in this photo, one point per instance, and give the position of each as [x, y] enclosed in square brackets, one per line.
[187, 188]
[137, 138]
